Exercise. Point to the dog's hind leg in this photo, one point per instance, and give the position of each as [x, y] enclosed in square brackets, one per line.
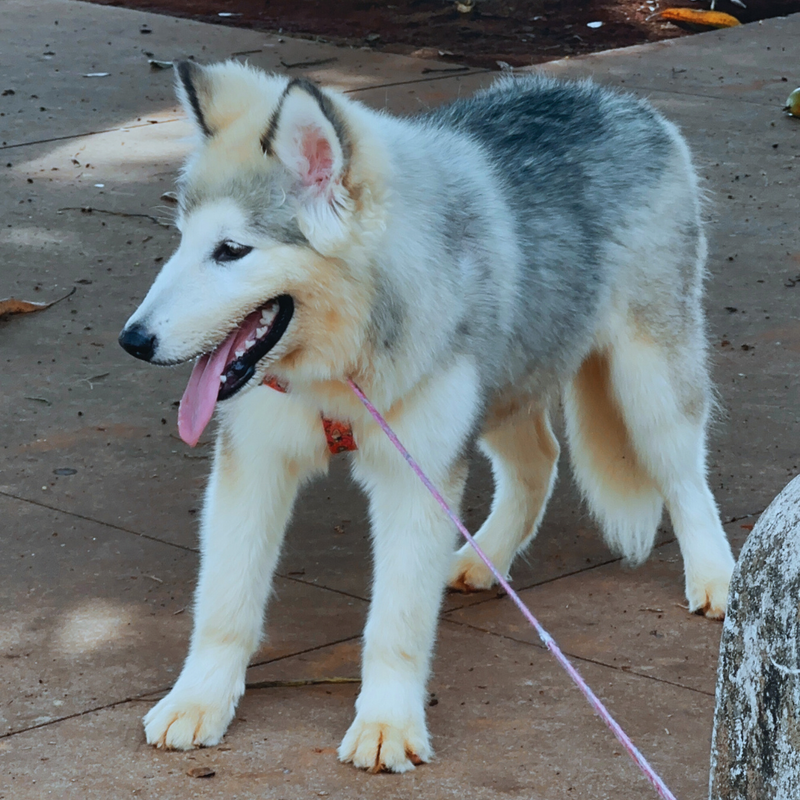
[636, 421]
[524, 453]
[664, 391]
[266, 445]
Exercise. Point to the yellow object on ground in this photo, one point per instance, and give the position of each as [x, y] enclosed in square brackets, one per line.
[699, 20]
[793, 103]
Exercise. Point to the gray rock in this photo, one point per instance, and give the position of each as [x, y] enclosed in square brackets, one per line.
[755, 753]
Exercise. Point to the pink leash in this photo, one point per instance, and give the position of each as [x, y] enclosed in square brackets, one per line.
[546, 638]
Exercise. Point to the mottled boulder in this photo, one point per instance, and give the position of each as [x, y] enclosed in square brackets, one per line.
[755, 752]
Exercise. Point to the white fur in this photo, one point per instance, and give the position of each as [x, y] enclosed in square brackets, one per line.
[413, 544]
[248, 502]
[377, 230]
[672, 446]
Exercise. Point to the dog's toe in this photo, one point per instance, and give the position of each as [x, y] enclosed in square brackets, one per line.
[468, 573]
[708, 595]
[381, 747]
[177, 723]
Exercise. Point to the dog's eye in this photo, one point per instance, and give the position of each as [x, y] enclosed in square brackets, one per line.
[230, 251]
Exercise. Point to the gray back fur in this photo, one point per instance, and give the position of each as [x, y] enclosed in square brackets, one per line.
[515, 197]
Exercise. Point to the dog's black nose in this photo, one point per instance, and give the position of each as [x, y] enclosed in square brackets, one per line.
[138, 342]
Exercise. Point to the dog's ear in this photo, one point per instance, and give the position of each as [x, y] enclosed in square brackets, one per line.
[193, 88]
[308, 135]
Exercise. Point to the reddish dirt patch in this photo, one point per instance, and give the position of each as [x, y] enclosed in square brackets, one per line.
[517, 32]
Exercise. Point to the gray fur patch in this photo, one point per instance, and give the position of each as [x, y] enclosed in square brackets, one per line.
[571, 162]
[387, 318]
[265, 198]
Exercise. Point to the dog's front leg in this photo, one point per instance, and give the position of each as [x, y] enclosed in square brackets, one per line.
[413, 548]
[265, 446]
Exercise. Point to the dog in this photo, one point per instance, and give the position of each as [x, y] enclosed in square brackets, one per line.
[469, 268]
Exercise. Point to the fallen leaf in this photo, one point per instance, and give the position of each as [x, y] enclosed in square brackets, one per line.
[748, 527]
[699, 20]
[201, 772]
[11, 306]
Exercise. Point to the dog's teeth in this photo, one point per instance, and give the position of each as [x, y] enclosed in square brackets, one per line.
[261, 331]
[249, 343]
[239, 353]
[266, 318]
[223, 378]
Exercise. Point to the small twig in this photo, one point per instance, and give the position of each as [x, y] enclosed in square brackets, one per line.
[153, 578]
[428, 70]
[90, 210]
[298, 683]
[744, 516]
[300, 64]
[68, 294]
[38, 399]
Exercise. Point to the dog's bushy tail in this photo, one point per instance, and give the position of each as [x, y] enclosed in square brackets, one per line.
[618, 489]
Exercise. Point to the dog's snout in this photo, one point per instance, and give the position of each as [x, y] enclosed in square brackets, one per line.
[138, 341]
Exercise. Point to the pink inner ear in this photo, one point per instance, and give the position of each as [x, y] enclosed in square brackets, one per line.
[318, 152]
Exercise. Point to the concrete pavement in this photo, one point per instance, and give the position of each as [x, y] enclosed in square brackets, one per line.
[99, 498]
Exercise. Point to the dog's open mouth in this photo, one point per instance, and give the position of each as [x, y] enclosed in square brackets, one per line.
[221, 373]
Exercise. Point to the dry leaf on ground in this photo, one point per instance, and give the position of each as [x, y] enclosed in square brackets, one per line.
[201, 772]
[695, 20]
[11, 306]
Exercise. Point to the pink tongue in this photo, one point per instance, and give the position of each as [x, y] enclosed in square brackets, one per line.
[200, 397]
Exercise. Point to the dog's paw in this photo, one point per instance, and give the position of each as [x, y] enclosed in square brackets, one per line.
[382, 747]
[468, 573]
[707, 592]
[182, 721]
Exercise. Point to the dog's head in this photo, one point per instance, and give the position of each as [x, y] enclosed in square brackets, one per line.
[279, 206]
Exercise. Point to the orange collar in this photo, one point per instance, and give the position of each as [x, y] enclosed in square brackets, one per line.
[339, 435]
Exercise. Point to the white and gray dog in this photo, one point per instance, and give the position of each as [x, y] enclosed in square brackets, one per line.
[468, 267]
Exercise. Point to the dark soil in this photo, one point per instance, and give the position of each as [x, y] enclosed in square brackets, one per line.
[517, 32]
